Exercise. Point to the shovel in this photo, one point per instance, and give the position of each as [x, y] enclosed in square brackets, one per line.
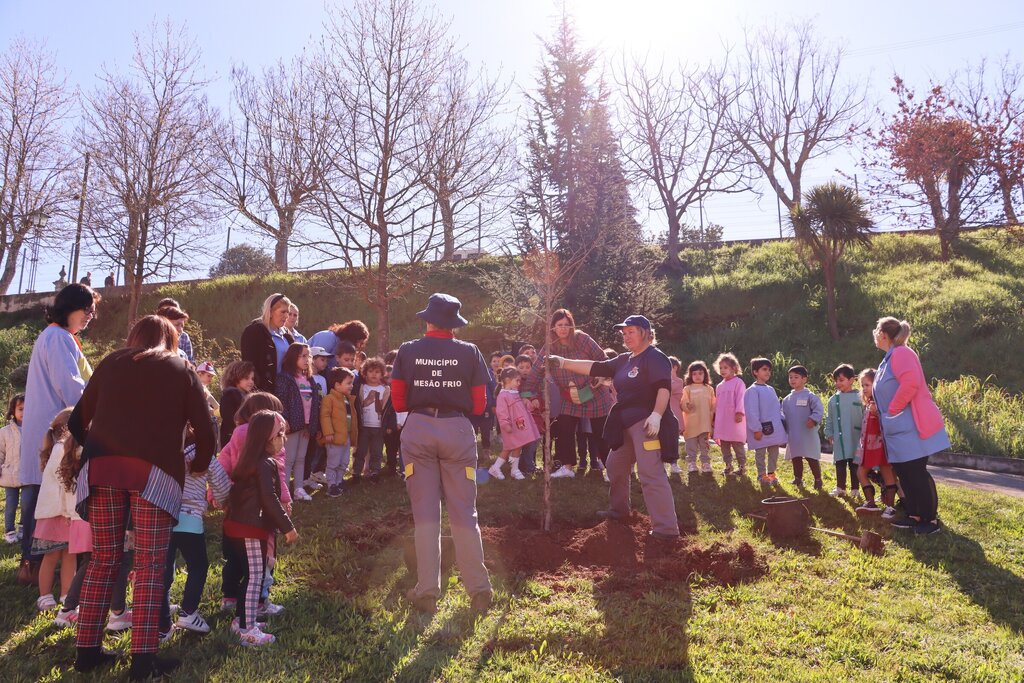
[869, 541]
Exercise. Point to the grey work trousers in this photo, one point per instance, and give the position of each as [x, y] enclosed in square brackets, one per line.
[661, 506]
[440, 461]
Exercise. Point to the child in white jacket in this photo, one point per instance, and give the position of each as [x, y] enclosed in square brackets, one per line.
[10, 465]
[58, 526]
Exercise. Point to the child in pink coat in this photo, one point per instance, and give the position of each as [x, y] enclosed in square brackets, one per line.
[517, 426]
[730, 419]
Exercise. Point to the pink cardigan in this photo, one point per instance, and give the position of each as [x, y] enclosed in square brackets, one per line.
[913, 390]
[232, 451]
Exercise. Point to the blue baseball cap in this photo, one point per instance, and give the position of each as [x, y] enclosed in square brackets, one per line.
[635, 321]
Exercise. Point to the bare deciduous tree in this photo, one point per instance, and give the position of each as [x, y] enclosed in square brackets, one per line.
[468, 159]
[794, 105]
[149, 135]
[995, 107]
[34, 158]
[271, 156]
[676, 139]
[384, 63]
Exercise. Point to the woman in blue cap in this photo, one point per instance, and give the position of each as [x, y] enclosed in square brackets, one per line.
[639, 428]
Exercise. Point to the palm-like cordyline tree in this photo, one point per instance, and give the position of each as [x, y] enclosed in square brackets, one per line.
[831, 217]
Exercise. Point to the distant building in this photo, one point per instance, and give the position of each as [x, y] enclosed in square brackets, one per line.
[465, 254]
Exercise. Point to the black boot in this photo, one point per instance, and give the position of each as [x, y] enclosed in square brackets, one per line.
[147, 665]
[92, 658]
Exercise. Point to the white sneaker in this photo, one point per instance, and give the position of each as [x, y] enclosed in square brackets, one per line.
[165, 637]
[193, 622]
[11, 537]
[837, 492]
[45, 603]
[312, 484]
[300, 494]
[675, 469]
[235, 629]
[268, 609]
[66, 618]
[691, 469]
[119, 622]
[495, 471]
[517, 475]
[604, 475]
[705, 469]
[563, 472]
[320, 478]
[254, 637]
[889, 513]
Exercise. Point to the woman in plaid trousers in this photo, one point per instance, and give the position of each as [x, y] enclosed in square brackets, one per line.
[131, 421]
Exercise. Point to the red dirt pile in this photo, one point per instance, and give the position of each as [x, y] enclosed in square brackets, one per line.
[616, 551]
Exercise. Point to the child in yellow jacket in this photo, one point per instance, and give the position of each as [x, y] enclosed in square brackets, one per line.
[338, 426]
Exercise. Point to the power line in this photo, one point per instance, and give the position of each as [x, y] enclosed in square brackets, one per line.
[934, 40]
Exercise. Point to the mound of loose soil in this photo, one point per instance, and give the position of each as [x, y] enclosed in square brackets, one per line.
[618, 554]
[376, 533]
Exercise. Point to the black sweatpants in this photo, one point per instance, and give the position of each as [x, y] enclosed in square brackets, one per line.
[564, 433]
[920, 499]
[841, 468]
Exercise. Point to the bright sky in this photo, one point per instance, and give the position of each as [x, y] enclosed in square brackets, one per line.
[917, 39]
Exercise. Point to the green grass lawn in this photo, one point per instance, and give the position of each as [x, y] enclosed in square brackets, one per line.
[945, 607]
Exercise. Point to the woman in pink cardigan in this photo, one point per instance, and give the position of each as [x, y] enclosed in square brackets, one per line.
[912, 426]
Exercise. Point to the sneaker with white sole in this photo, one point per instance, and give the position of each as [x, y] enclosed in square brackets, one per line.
[45, 603]
[705, 469]
[691, 469]
[11, 537]
[517, 475]
[193, 622]
[320, 478]
[889, 513]
[563, 472]
[495, 472]
[66, 618]
[268, 609]
[119, 622]
[259, 622]
[255, 637]
[301, 494]
[313, 484]
[675, 469]
[837, 492]
[165, 636]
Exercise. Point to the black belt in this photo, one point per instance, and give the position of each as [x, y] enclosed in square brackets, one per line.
[438, 412]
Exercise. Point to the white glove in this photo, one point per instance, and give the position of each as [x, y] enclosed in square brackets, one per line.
[653, 424]
[555, 361]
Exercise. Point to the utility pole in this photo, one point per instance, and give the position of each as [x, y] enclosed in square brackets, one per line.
[78, 229]
[170, 269]
[778, 203]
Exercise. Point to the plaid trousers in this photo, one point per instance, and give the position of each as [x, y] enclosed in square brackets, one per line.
[109, 510]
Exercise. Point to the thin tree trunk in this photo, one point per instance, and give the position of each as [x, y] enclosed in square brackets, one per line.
[448, 223]
[281, 252]
[13, 252]
[672, 243]
[1011, 214]
[549, 310]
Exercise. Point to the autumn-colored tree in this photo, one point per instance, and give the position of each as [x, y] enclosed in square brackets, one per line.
[928, 164]
[830, 218]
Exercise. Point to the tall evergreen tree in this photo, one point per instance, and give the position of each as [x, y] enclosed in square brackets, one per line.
[575, 199]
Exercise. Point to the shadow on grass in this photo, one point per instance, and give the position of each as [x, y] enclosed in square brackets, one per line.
[989, 586]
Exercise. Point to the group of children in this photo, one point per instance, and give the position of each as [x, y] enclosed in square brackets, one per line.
[740, 418]
[260, 470]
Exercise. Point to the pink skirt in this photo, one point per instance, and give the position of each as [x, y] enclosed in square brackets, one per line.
[80, 540]
[56, 529]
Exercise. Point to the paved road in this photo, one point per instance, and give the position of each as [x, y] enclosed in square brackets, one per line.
[1007, 484]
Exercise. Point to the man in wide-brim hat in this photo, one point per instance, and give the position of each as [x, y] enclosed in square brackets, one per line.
[441, 380]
